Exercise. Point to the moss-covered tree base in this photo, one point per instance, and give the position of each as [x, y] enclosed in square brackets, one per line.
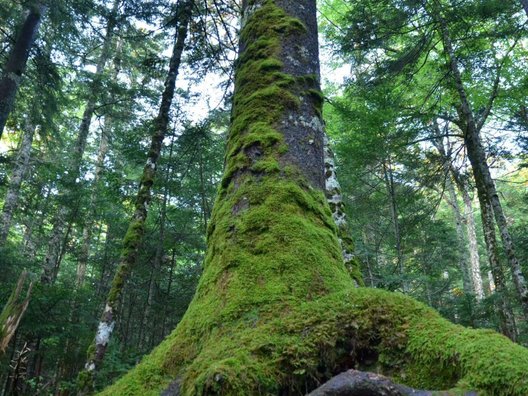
[276, 312]
[294, 352]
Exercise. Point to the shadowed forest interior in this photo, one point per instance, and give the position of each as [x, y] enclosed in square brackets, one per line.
[231, 197]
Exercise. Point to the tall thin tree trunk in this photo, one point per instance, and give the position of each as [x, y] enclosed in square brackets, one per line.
[469, 221]
[461, 237]
[65, 210]
[167, 293]
[35, 222]
[204, 203]
[486, 189]
[18, 175]
[505, 312]
[17, 61]
[88, 226]
[134, 234]
[472, 282]
[393, 205]
[99, 168]
[160, 250]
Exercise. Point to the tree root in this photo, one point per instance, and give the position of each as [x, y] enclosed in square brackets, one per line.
[359, 383]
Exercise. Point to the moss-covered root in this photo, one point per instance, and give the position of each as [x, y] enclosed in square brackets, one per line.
[361, 328]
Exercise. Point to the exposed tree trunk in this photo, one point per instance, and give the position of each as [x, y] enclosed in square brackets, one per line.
[461, 238]
[452, 200]
[469, 221]
[203, 198]
[393, 205]
[368, 263]
[18, 175]
[505, 312]
[16, 63]
[335, 201]
[160, 249]
[486, 189]
[14, 309]
[136, 229]
[92, 205]
[275, 311]
[99, 168]
[66, 209]
[167, 294]
[33, 223]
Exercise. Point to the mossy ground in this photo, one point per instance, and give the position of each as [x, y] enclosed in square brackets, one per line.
[293, 351]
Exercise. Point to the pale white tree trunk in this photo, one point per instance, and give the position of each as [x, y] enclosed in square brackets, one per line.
[461, 236]
[335, 201]
[474, 256]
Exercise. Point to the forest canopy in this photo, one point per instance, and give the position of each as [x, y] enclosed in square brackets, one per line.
[253, 197]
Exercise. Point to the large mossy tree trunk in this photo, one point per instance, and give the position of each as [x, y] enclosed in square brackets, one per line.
[276, 312]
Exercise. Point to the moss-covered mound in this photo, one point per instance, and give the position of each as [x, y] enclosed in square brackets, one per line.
[292, 353]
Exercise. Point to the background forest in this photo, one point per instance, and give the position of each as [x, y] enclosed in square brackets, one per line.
[409, 86]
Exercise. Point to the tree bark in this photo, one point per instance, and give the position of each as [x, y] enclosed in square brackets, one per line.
[136, 229]
[160, 251]
[461, 236]
[14, 309]
[17, 61]
[466, 255]
[505, 311]
[335, 201]
[525, 6]
[474, 256]
[99, 168]
[486, 189]
[18, 175]
[393, 205]
[66, 207]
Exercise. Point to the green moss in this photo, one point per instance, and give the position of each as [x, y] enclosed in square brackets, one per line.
[263, 93]
[85, 380]
[316, 339]
[268, 166]
[133, 235]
